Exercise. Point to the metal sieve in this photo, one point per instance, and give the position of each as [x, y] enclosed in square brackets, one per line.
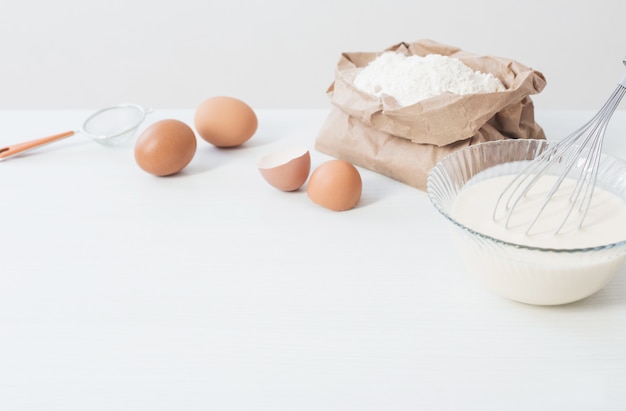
[109, 126]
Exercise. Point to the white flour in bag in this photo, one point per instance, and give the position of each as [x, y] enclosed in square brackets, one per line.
[410, 79]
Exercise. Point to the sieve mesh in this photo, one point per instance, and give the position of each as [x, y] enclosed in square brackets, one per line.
[119, 121]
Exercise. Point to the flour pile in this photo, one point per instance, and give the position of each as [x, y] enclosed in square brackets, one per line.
[410, 79]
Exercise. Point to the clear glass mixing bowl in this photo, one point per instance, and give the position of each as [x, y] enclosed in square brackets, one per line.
[527, 274]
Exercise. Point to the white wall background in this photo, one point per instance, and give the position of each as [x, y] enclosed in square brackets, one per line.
[282, 53]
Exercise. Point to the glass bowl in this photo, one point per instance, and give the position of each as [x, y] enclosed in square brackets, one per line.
[523, 273]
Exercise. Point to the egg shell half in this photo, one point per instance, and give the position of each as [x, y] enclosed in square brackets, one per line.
[165, 147]
[225, 121]
[336, 185]
[286, 170]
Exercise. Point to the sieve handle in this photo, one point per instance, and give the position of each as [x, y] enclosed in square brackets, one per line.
[10, 151]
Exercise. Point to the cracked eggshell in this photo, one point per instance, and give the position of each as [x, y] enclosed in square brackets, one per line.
[287, 170]
[336, 185]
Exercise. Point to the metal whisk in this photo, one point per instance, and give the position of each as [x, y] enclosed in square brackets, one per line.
[578, 155]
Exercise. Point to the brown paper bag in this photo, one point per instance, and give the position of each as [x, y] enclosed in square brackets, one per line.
[404, 143]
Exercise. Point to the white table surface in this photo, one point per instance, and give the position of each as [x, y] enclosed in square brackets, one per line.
[211, 290]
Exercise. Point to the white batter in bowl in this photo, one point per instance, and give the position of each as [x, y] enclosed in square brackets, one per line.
[543, 270]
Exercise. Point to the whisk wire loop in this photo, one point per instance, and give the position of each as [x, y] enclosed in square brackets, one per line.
[578, 158]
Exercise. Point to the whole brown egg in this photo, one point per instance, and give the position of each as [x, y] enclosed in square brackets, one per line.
[165, 147]
[336, 185]
[225, 121]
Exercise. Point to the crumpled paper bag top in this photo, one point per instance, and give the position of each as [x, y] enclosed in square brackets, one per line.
[404, 143]
[440, 120]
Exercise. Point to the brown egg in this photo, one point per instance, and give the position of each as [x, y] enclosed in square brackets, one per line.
[336, 185]
[165, 147]
[225, 121]
[286, 170]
